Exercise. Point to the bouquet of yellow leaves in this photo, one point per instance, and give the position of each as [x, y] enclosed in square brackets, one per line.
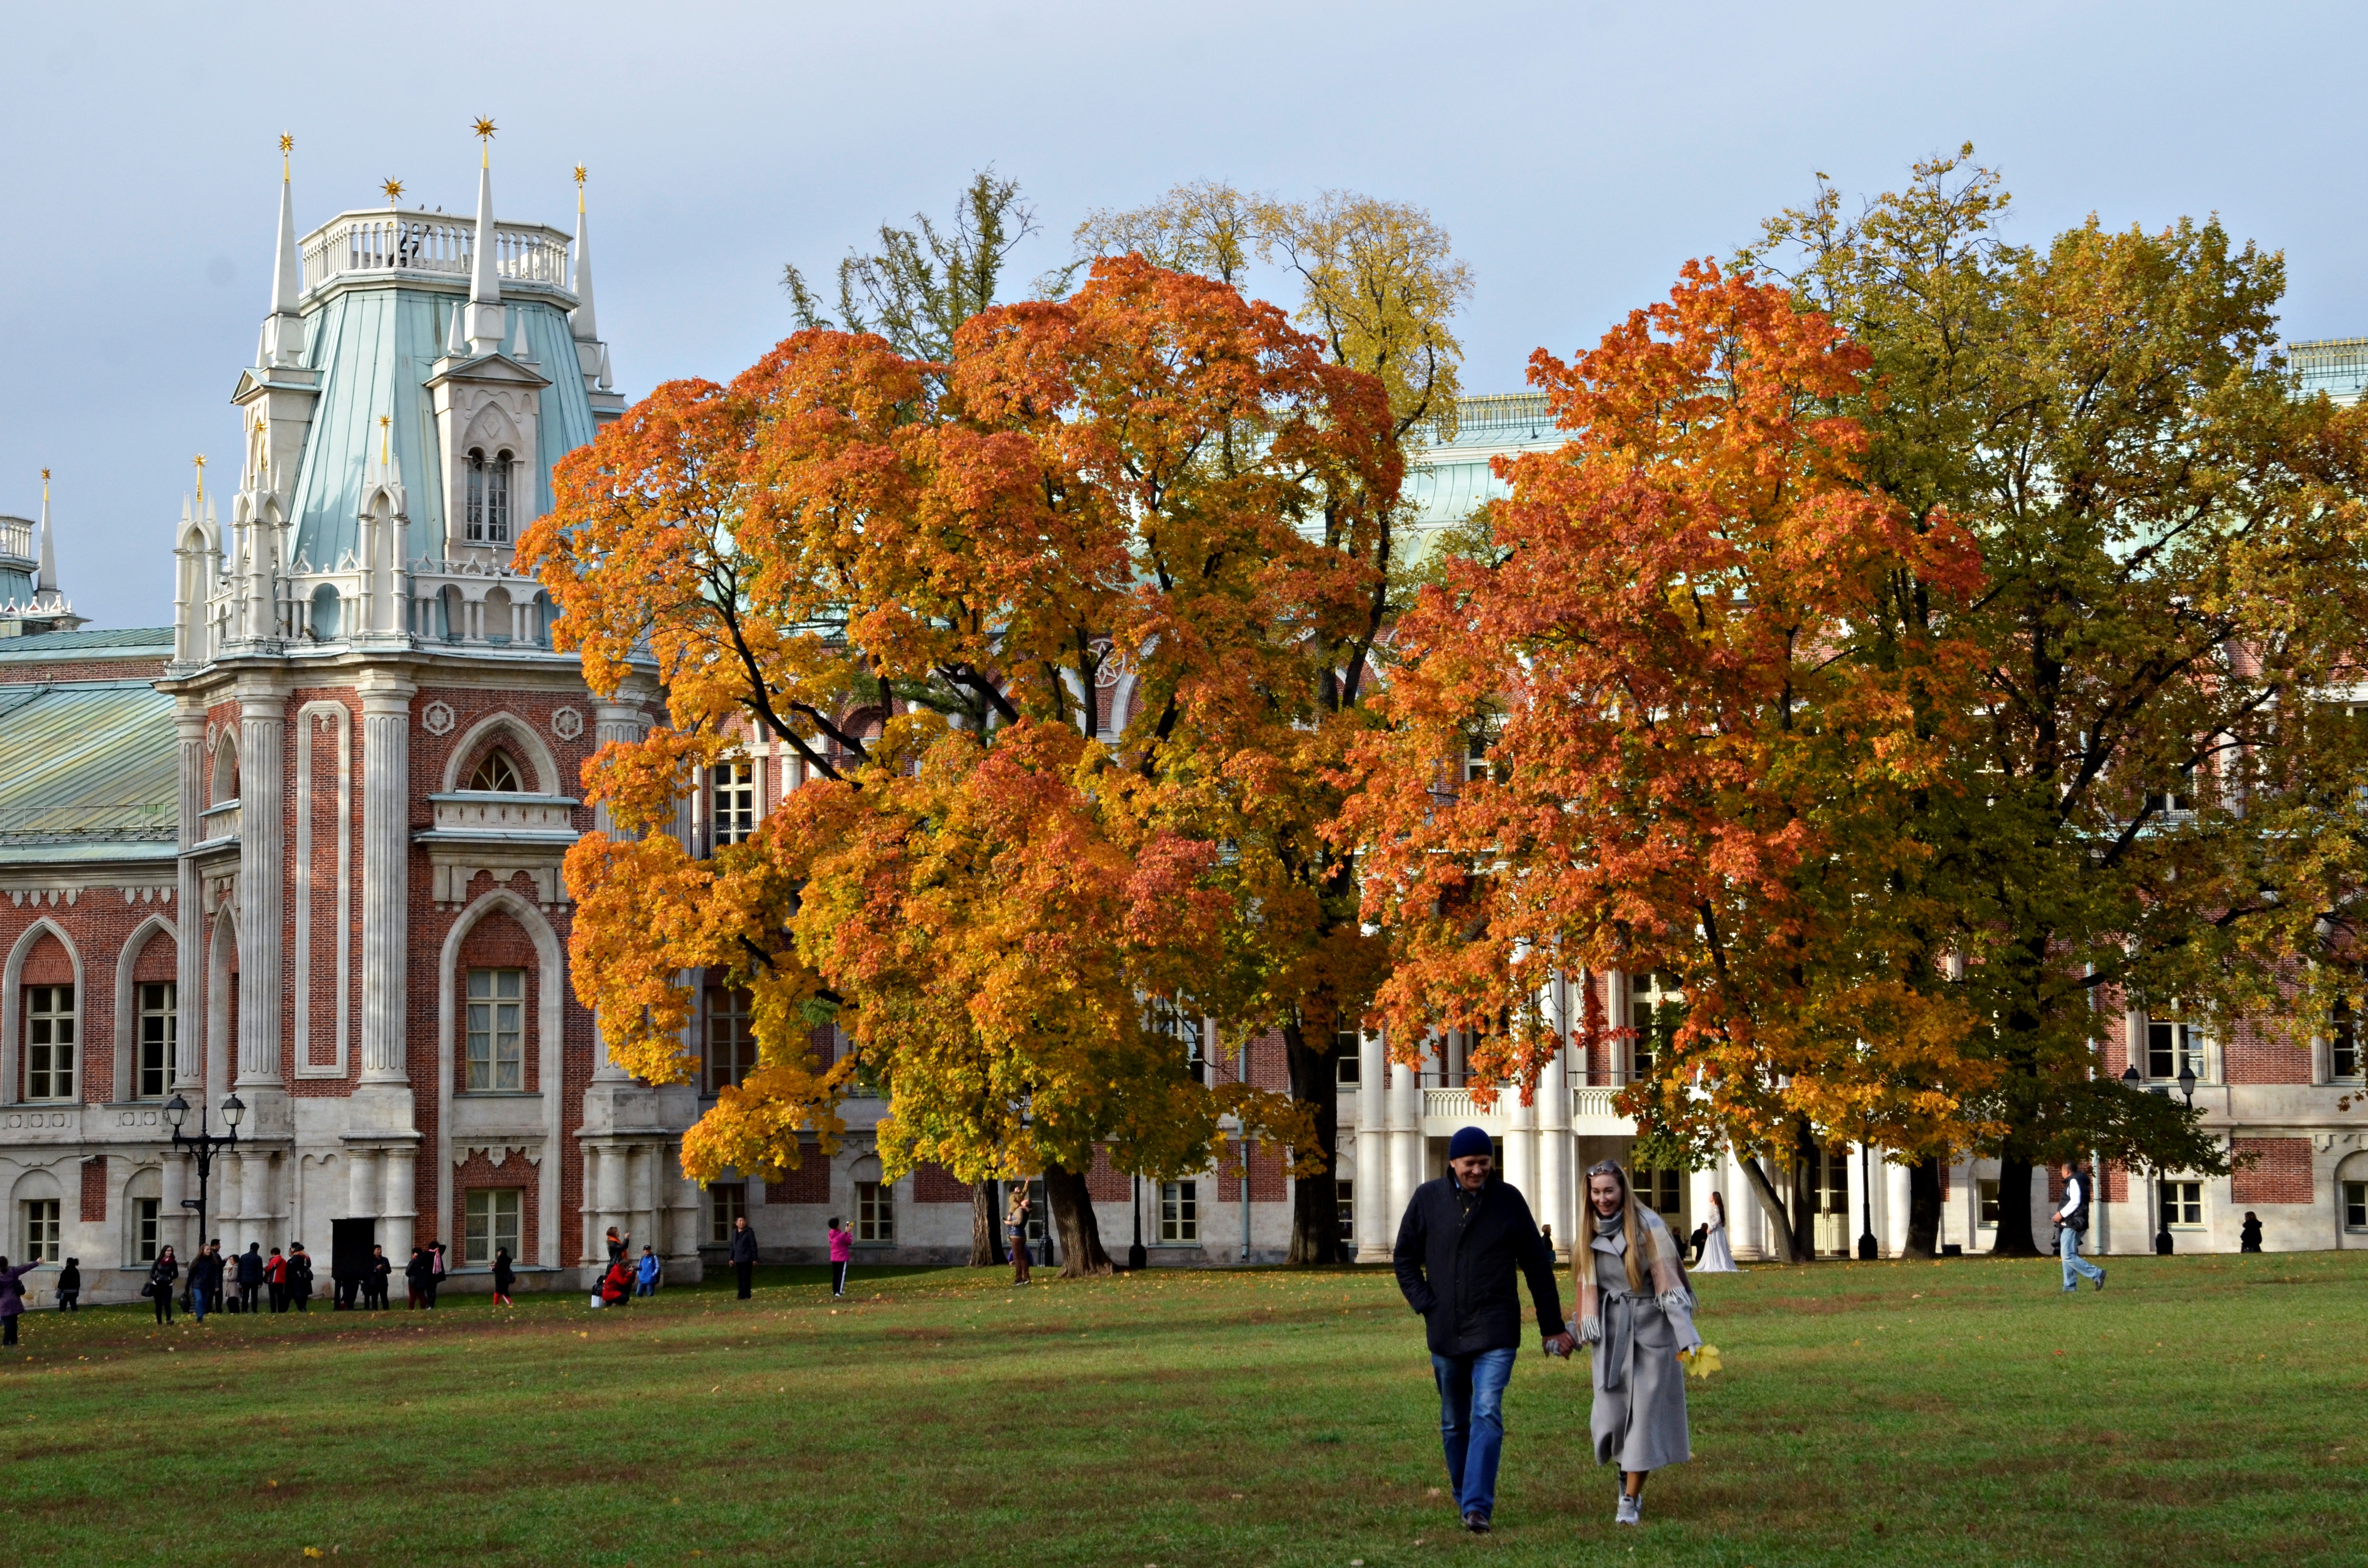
[1701, 1361]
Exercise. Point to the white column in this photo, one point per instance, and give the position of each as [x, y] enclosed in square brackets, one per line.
[262, 872]
[645, 1197]
[590, 1207]
[189, 951]
[1521, 1144]
[1897, 1201]
[1405, 1142]
[361, 1183]
[386, 876]
[1374, 1142]
[614, 1172]
[401, 1223]
[1553, 1202]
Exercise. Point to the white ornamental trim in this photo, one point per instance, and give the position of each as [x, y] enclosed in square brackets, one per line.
[438, 718]
[566, 723]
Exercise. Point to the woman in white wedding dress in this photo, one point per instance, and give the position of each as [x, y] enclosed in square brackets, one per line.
[1717, 1257]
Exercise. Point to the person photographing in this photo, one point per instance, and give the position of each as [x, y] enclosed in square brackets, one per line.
[1465, 1241]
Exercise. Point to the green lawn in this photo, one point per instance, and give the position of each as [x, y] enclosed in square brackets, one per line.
[2200, 1411]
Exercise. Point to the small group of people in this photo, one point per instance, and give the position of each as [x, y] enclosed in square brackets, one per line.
[627, 1277]
[741, 1251]
[1466, 1242]
[251, 1282]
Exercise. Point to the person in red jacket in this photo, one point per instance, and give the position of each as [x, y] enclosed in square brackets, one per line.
[617, 1285]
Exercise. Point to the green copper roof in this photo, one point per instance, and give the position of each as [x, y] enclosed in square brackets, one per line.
[375, 349]
[93, 767]
[127, 640]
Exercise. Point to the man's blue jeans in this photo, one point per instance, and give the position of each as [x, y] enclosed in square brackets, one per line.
[2067, 1245]
[1471, 1423]
[197, 1302]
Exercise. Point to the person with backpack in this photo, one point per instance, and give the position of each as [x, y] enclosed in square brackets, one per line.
[12, 1297]
[645, 1273]
[2072, 1228]
[1636, 1309]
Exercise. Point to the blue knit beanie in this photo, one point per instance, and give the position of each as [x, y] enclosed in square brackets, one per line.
[1469, 1141]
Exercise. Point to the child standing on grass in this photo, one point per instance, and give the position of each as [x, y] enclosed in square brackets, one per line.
[842, 1253]
[645, 1273]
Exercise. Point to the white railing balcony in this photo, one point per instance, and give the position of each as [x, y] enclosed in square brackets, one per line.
[216, 823]
[1591, 1108]
[494, 811]
[17, 546]
[393, 241]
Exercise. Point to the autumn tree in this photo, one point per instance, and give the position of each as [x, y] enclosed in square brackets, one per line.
[1699, 731]
[2160, 805]
[983, 886]
[1378, 284]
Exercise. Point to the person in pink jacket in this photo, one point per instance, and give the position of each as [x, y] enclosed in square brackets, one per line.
[842, 1253]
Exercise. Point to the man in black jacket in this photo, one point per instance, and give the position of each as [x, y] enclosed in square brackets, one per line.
[744, 1253]
[1464, 1238]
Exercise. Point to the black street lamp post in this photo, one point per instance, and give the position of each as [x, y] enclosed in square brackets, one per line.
[1135, 1256]
[1867, 1249]
[207, 1144]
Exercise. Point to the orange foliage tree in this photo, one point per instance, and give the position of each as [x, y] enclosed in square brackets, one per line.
[1701, 717]
[916, 575]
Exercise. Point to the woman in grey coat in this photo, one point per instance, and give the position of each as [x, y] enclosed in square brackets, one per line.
[1634, 1308]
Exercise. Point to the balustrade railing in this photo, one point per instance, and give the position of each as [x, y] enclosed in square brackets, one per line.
[394, 241]
[17, 541]
[1587, 1103]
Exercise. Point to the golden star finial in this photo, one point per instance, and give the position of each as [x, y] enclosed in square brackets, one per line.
[200, 460]
[579, 187]
[383, 422]
[394, 189]
[287, 145]
[483, 131]
[45, 476]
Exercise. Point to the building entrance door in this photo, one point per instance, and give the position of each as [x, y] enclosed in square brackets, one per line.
[349, 1255]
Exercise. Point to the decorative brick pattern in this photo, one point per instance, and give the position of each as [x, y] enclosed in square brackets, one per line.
[1266, 1183]
[808, 1183]
[2280, 1173]
[82, 669]
[93, 1190]
[478, 1173]
[935, 1184]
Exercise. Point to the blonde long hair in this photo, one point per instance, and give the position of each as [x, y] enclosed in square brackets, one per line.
[1629, 1227]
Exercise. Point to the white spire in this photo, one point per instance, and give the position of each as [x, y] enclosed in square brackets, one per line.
[521, 349]
[282, 342]
[456, 341]
[586, 330]
[484, 286]
[46, 583]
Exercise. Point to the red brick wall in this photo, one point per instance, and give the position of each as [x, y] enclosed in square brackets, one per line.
[2280, 1174]
[2267, 1050]
[99, 923]
[80, 669]
[93, 1190]
[1105, 1183]
[478, 1173]
[1266, 1185]
[156, 962]
[935, 1184]
[48, 964]
[808, 1183]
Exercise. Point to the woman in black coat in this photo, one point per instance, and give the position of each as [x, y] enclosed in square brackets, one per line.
[503, 1276]
[162, 1277]
[419, 1274]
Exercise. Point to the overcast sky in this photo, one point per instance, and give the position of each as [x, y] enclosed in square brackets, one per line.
[1576, 152]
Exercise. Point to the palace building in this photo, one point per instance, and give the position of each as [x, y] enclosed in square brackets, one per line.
[301, 849]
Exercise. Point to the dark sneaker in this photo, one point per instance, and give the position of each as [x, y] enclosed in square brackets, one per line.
[1476, 1523]
[2101, 1278]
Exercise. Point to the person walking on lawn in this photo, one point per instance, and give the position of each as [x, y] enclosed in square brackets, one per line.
[206, 1281]
[1466, 1240]
[744, 1254]
[842, 1253]
[163, 1275]
[503, 1276]
[12, 1297]
[69, 1285]
[1637, 1309]
[2072, 1228]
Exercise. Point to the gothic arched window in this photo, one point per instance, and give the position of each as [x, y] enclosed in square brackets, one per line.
[497, 499]
[497, 772]
[476, 496]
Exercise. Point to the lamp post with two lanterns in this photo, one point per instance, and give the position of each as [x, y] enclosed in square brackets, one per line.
[207, 1144]
[2130, 1080]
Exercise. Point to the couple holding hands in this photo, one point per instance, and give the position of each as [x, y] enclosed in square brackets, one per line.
[1461, 1245]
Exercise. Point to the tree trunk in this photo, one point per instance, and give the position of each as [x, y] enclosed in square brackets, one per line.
[1923, 1209]
[1315, 1199]
[1074, 1223]
[1805, 1191]
[986, 1226]
[2014, 1237]
[1765, 1190]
